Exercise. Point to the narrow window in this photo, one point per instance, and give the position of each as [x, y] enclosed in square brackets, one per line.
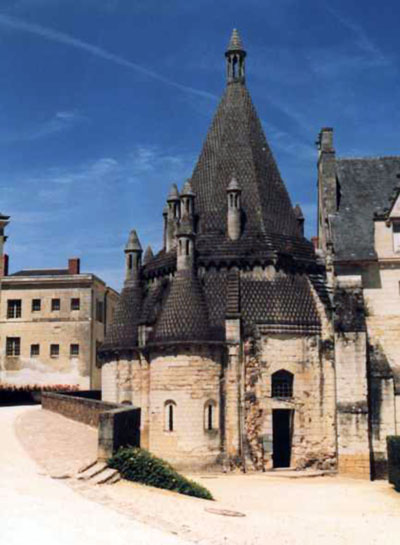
[54, 350]
[209, 416]
[396, 237]
[75, 303]
[130, 261]
[282, 384]
[13, 346]
[187, 247]
[55, 304]
[14, 308]
[36, 304]
[35, 350]
[99, 311]
[169, 415]
[74, 350]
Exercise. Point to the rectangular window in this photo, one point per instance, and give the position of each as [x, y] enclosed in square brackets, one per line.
[36, 304]
[74, 350]
[75, 303]
[396, 237]
[13, 346]
[99, 311]
[55, 304]
[14, 308]
[54, 350]
[35, 350]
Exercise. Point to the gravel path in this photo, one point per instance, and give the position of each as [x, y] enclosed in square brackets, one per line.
[302, 511]
[38, 510]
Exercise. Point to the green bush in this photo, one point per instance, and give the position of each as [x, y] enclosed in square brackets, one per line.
[139, 465]
[393, 448]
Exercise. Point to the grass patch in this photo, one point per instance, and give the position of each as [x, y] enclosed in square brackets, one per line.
[139, 465]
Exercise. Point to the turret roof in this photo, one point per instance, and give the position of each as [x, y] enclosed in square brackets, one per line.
[133, 243]
[173, 194]
[235, 43]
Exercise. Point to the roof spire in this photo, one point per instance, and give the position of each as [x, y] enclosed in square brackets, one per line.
[235, 55]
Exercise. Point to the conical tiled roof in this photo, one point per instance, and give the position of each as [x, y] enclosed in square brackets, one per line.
[236, 143]
[235, 43]
[187, 189]
[133, 243]
[148, 255]
[183, 316]
[173, 194]
[123, 331]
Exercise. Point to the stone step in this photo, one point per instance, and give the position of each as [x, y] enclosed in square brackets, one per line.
[115, 479]
[92, 471]
[104, 476]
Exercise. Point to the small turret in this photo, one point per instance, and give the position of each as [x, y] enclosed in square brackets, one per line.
[300, 218]
[187, 199]
[235, 59]
[185, 236]
[234, 192]
[172, 217]
[148, 255]
[133, 252]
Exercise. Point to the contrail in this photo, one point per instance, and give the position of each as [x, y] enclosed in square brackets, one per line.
[67, 39]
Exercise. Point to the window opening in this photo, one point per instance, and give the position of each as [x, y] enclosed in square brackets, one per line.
[13, 346]
[282, 384]
[75, 303]
[35, 350]
[54, 350]
[55, 304]
[14, 308]
[36, 304]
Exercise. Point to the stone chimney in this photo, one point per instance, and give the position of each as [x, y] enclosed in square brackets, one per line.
[234, 192]
[74, 265]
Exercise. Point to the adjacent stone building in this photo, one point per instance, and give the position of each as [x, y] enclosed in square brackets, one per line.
[241, 344]
[358, 228]
[51, 323]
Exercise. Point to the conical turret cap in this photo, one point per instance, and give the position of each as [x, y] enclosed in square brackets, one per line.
[235, 43]
[148, 255]
[133, 243]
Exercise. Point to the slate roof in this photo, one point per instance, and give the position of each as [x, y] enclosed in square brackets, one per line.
[365, 186]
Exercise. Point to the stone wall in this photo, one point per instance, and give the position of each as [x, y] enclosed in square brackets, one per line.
[80, 409]
[188, 379]
[313, 401]
[117, 425]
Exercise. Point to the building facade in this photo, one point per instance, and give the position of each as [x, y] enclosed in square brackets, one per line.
[51, 323]
[359, 222]
[241, 344]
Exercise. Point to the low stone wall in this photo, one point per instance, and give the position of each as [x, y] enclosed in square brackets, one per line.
[118, 425]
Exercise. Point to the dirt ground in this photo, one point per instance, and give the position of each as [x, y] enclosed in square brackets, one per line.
[279, 510]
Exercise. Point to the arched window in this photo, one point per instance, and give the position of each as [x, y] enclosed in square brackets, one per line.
[169, 415]
[210, 414]
[282, 384]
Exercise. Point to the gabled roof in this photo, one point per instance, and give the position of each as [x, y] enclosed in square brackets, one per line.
[365, 186]
[236, 144]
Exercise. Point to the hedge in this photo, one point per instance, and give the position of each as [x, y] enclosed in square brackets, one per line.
[136, 464]
[14, 394]
[393, 448]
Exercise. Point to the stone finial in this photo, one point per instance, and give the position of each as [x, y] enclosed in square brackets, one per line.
[148, 255]
[300, 218]
[133, 244]
[187, 189]
[173, 194]
[233, 185]
[235, 43]
[235, 59]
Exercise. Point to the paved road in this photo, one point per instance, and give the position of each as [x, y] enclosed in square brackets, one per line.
[38, 510]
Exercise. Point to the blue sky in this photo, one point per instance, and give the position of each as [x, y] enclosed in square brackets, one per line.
[105, 103]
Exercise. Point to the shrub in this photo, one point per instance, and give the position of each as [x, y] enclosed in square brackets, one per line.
[139, 465]
[393, 448]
